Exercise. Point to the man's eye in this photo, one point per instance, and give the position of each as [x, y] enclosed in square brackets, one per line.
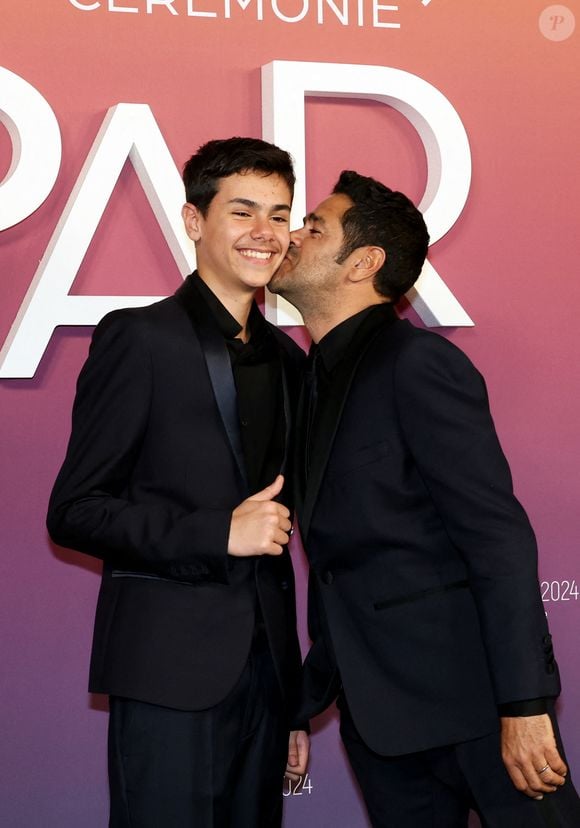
[280, 219]
[314, 232]
[242, 213]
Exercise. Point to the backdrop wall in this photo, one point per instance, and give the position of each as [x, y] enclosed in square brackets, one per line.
[511, 73]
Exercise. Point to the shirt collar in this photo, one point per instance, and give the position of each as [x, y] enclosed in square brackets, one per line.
[228, 325]
[258, 330]
[334, 345]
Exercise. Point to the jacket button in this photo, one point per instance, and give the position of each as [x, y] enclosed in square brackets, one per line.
[547, 639]
[328, 577]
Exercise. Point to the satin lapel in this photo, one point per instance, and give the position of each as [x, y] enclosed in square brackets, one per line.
[330, 414]
[219, 368]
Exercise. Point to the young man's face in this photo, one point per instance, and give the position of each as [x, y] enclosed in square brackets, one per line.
[245, 234]
[310, 267]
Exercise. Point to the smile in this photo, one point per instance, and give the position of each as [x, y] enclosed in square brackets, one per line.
[264, 255]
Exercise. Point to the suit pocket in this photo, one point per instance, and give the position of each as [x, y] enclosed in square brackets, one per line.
[146, 576]
[420, 594]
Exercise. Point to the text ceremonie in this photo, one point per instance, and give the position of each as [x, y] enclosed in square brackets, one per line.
[359, 13]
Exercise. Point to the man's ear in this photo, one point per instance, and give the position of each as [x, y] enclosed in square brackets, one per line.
[192, 219]
[366, 262]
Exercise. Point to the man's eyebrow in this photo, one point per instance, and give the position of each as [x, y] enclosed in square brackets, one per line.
[314, 217]
[247, 202]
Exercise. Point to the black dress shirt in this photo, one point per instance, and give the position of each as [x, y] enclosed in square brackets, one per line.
[257, 376]
[323, 360]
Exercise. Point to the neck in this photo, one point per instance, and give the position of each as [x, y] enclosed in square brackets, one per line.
[237, 300]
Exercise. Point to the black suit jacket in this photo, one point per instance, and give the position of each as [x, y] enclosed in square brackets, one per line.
[424, 600]
[153, 471]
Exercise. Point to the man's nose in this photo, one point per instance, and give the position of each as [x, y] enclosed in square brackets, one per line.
[296, 237]
[262, 229]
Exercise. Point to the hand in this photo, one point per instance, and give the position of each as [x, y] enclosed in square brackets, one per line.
[528, 746]
[260, 526]
[298, 752]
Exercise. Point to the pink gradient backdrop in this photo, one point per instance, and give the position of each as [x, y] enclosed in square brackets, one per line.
[510, 260]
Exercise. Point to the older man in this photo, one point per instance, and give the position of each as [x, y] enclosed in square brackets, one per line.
[424, 607]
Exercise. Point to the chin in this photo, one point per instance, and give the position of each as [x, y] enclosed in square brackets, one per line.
[257, 280]
[276, 286]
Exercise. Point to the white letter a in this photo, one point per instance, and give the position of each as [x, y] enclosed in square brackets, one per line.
[128, 131]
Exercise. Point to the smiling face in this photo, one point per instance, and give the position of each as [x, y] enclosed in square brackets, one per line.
[244, 235]
[310, 272]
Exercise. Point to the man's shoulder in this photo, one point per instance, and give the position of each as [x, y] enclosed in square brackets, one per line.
[420, 352]
[165, 311]
[405, 338]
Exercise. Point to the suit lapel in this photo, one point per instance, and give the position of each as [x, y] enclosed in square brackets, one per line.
[332, 407]
[219, 367]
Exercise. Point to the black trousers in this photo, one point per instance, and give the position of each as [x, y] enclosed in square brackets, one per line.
[437, 788]
[216, 768]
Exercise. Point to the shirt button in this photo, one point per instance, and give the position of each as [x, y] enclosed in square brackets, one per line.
[328, 577]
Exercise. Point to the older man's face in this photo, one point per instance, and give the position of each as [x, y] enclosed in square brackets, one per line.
[310, 266]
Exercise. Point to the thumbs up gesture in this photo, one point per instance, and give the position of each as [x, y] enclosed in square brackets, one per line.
[259, 525]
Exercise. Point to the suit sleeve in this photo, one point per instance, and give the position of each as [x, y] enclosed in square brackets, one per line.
[90, 508]
[444, 415]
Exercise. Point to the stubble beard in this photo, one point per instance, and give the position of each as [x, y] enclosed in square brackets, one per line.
[289, 288]
[310, 289]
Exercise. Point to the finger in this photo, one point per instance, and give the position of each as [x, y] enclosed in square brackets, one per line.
[303, 745]
[520, 782]
[285, 525]
[273, 549]
[292, 750]
[553, 780]
[535, 781]
[280, 537]
[270, 492]
[292, 775]
[556, 763]
[549, 776]
[517, 778]
[302, 762]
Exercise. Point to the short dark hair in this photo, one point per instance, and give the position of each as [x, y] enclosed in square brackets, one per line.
[228, 156]
[387, 219]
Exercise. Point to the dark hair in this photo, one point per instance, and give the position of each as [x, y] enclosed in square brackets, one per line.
[387, 219]
[221, 158]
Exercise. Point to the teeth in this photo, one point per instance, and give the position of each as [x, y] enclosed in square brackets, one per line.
[256, 254]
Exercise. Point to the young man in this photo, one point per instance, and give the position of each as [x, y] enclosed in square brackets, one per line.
[425, 612]
[174, 478]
